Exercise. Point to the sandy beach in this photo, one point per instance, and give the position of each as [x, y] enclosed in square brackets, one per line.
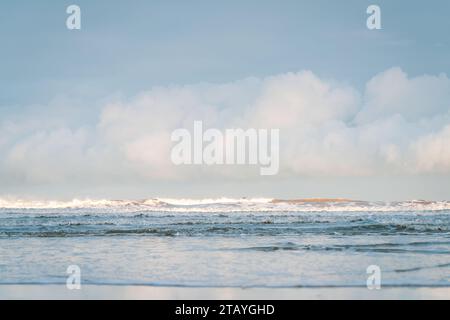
[88, 292]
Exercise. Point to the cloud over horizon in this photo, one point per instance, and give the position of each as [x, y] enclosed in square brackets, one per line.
[397, 125]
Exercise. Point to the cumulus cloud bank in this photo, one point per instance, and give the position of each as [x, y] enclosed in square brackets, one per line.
[397, 125]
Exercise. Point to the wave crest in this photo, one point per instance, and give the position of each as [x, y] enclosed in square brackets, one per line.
[230, 205]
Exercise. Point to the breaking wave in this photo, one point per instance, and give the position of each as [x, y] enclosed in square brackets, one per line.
[231, 205]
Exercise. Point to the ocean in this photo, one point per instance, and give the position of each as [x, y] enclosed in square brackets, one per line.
[262, 243]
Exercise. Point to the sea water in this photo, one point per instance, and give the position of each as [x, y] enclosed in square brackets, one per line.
[225, 242]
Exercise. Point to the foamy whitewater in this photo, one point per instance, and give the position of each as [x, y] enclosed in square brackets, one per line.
[225, 242]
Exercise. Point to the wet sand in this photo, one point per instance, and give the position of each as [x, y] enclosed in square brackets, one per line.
[60, 292]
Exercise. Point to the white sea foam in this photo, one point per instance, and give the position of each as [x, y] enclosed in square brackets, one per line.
[230, 205]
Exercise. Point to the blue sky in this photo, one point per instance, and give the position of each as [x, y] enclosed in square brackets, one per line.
[64, 79]
[128, 47]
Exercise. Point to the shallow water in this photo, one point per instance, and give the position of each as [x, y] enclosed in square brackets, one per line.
[246, 242]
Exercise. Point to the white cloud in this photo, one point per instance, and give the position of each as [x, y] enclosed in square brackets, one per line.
[296, 99]
[392, 92]
[398, 125]
[432, 152]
